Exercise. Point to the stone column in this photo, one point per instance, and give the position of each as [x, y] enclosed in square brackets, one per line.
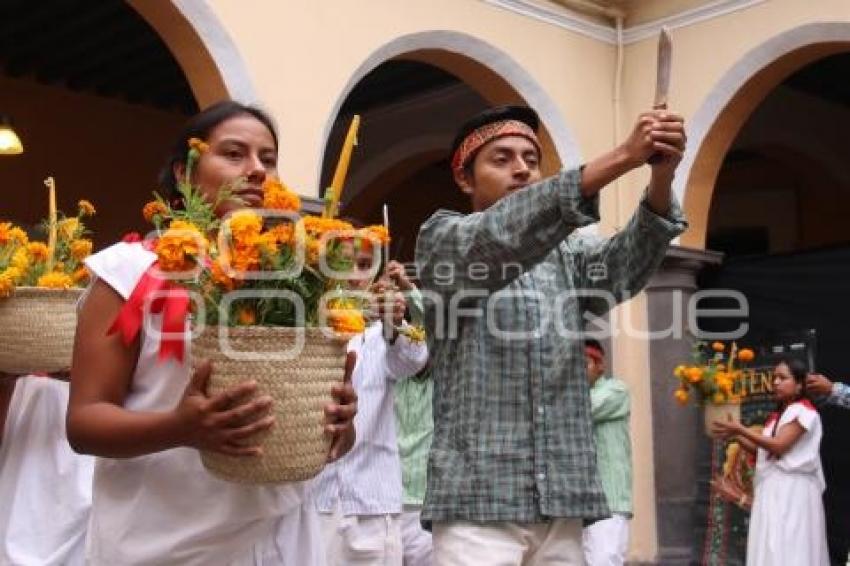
[680, 446]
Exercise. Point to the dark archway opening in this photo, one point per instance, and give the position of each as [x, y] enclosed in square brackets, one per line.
[779, 214]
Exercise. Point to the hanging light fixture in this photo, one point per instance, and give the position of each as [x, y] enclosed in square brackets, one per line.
[10, 143]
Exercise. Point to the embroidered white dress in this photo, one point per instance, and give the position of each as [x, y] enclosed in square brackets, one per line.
[165, 508]
[787, 524]
[45, 488]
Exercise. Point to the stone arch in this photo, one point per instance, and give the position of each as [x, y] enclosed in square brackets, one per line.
[484, 68]
[736, 95]
[203, 48]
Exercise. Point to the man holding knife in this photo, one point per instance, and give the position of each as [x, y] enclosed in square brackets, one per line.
[512, 472]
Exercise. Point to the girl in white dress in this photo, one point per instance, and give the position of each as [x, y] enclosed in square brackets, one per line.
[787, 524]
[145, 419]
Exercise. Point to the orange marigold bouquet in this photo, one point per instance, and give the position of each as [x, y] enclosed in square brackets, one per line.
[40, 284]
[265, 284]
[288, 270]
[25, 263]
[715, 374]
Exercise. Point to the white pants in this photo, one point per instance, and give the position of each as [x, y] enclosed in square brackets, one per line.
[361, 539]
[606, 542]
[415, 541]
[462, 543]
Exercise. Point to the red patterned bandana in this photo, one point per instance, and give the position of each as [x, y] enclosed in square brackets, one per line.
[487, 133]
[593, 353]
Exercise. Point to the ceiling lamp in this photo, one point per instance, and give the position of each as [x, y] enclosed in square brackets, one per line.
[10, 143]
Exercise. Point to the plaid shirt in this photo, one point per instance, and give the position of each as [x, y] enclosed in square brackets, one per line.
[513, 438]
[840, 395]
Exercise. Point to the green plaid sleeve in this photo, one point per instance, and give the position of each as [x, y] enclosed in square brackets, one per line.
[622, 264]
[456, 252]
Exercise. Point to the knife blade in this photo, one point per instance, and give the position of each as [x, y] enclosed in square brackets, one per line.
[662, 75]
[662, 79]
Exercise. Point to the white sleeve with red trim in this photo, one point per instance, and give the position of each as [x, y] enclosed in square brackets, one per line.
[803, 414]
[121, 265]
[804, 456]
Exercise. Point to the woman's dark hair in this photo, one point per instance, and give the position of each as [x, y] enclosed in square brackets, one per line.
[199, 126]
[799, 371]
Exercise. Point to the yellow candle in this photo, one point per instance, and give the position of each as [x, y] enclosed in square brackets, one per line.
[342, 165]
[51, 221]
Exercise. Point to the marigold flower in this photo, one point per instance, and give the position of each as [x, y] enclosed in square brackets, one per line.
[681, 396]
[4, 232]
[724, 383]
[718, 398]
[246, 316]
[277, 196]
[378, 232]
[68, 228]
[18, 235]
[14, 273]
[152, 209]
[244, 226]
[718, 346]
[38, 251]
[347, 321]
[746, 355]
[220, 278]
[179, 246]
[55, 280]
[81, 275]
[86, 208]
[694, 374]
[414, 333]
[198, 144]
[11, 233]
[20, 260]
[316, 226]
[283, 234]
[680, 371]
[245, 257]
[81, 249]
[7, 284]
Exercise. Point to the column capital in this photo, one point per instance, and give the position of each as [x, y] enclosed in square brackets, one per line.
[680, 267]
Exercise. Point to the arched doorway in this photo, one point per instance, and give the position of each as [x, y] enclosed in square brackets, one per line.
[412, 95]
[718, 121]
[776, 205]
[99, 98]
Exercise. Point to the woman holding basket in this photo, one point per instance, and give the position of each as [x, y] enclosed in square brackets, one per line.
[147, 418]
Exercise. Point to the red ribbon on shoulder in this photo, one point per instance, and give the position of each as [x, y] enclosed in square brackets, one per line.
[165, 298]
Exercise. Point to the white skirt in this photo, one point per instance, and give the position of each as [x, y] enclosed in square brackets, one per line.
[787, 524]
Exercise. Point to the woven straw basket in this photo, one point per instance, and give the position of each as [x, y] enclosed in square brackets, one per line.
[720, 412]
[38, 327]
[296, 447]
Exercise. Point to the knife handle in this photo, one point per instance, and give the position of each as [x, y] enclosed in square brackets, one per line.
[656, 157]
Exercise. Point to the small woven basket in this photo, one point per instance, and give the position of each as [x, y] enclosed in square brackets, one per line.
[38, 327]
[722, 413]
[296, 447]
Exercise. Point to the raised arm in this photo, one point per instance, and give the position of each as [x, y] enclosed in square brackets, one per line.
[486, 250]
[632, 255]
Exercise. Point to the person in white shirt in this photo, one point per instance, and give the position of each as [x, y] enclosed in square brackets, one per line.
[45, 488]
[146, 418]
[787, 522]
[359, 497]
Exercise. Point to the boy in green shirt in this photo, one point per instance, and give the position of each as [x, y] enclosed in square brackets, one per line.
[607, 541]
